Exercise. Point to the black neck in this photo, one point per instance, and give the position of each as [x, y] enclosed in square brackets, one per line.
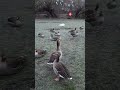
[97, 7]
[58, 45]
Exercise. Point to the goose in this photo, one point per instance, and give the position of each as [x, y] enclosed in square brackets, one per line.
[11, 65]
[112, 4]
[90, 15]
[60, 70]
[15, 21]
[52, 30]
[99, 20]
[55, 36]
[40, 53]
[41, 35]
[54, 55]
[74, 32]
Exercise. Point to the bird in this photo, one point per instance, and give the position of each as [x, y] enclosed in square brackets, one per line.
[112, 4]
[90, 15]
[74, 32]
[40, 53]
[99, 20]
[60, 70]
[52, 30]
[41, 35]
[15, 21]
[81, 28]
[11, 65]
[55, 36]
[58, 52]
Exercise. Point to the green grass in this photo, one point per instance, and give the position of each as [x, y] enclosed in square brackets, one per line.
[73, 56]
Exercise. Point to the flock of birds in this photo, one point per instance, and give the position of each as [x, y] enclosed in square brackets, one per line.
[59, 68]
[11, 65]
[7, 67]
[55, 35]
[93, 17]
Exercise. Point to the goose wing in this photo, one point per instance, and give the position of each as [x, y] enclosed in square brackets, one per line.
[62, 70]
[54, 56]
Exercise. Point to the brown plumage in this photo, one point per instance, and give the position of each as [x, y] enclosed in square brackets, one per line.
[55, 54]
[60, 70]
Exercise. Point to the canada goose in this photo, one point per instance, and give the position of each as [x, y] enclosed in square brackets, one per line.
[90, 15]
[60, 70]
[74, 32]
[40, 53]
[15, 21]
[11, 65]
[58, 52]
[55, 36]
[41, 35]
[112, 4]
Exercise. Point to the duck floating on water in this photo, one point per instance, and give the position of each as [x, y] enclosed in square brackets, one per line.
[55, 54]
[12, 65]
[41, 35]
[74, 32]
[15, 21]
[60, 70]
[40, 53]
[112, 4]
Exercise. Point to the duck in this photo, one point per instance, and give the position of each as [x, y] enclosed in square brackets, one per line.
[40, 53]
[60, 70]
[112, 4]
[62, 25]
[52, 30]
[74, 32]
[57, 53]
[11, 65]
[41, 35]
[55, 36]
[81, 28]
[90, 15]
[15, 21]
[99, 20]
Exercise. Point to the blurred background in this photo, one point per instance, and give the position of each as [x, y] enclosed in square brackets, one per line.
[59, 8]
